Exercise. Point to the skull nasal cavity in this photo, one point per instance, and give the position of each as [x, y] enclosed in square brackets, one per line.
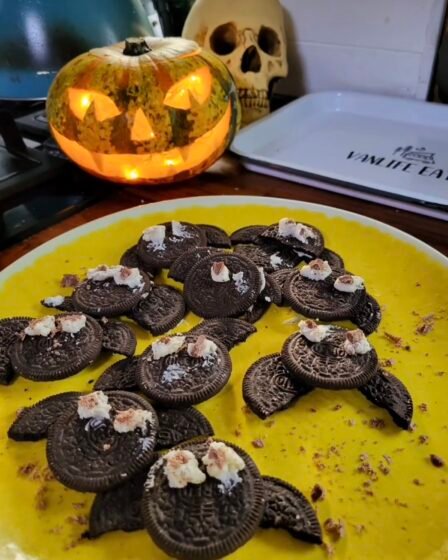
[251, 61]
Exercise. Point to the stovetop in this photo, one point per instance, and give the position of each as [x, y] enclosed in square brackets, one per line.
[38, 185]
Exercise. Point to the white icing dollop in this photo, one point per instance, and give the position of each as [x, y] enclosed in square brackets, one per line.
[94, 405]
[276, 261]
[182, 468]
[220, 272]
[240, 282]
[72, 323]
[121, 275]
[356, 343]
[166, 346]
[173, 372]
[54, 301]
[179, 230]
[349, 283]
[316, 270]
[155, 236]
[290, 228]
[202, 348]
[41, 327]
[312, 331]
[262, 278]
[224, 464]
[131, 420]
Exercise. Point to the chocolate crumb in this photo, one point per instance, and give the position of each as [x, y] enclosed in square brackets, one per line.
[351, 422]
[384, 468]
[317, 493]
[388, 459]
[246, 409]
[313, 410]
[426, 325]
[396, 340]
[237, 433]
[407, 347]
[423, 439]
[423, 407]
[412, 427]
[387, 363]
[328, 549]
[74, 543]
[57, 530]
[70, 281]
[41, 499]
[270, 423]
[78, 505]
[377, 423]
[417, 482]
[400, 504]
[437, 461]
[77, 519]
[302, 449]
[335, 528]
[360, 528]
[337, 407]
[258, 443]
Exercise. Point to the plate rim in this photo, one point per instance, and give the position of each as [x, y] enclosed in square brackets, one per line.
[210, 201]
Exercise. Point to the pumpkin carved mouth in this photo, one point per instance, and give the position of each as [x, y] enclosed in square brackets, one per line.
[134, 167]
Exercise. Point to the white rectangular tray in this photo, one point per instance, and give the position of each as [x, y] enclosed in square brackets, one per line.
[390, 150]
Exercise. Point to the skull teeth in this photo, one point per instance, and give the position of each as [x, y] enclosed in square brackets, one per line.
[253, 98]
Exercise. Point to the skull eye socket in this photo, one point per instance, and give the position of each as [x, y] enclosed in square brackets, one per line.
[269, 41]
[224, 39]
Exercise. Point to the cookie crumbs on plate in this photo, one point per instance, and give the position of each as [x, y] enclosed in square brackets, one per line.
[398, 503]
[388, 362]
[78, 505]
[328, 549]
[412, 427]
[423, 440]
[360, 528]
[258, 443]
[77, 519]
[417, 482]
[366, 468]
[436, 461]
[388, 459]
[302, 449]
[70, 281]
[317, 493]
[57, 530]
[74, 543]
[246, 409]
[337, 407]
[423, 407]
[335, 528]
[377, 423]
[426, 324]
[395, 340]
[270, 423]
[41, 499]
[384, 469]
[351, 422]
[237, 433]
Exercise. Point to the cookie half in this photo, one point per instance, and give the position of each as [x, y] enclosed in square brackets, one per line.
[131, 259]
[313, 245]
[216, 236]
[179, 425]
[160, 311]
[229, 331]
[10, 329]
[118, 337]
[183, 264]
[270, 257]
[120, 376]
[247, 234]
[367, 314]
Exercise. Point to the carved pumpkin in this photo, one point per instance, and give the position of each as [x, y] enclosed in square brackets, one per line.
[147, 110]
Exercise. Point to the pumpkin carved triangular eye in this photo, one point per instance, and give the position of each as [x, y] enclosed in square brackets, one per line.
[141, 127]
[198, 85]
[81, 99]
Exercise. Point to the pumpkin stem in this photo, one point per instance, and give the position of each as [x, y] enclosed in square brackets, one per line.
[136, 46]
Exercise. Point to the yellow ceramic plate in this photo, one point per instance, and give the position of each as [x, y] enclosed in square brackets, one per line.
[397, 511]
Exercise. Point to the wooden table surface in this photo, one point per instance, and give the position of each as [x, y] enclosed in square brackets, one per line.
[228, 177]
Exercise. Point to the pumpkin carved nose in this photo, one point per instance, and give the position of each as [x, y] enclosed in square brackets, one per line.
[251, 61]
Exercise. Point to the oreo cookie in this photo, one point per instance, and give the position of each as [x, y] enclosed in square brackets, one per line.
[388, 392]
[118, 509]
[334, 259]
[160, 311]
[118, 337]
[272, 292]
[96, 454]
[367, 315]
[10, 329]
[268, 386]
[106, 298]
[178, 379]
[205, 520]
[309, 240]
[33, 422]
[222, 286]
[216, 236]
[327, 364]
[120, 376]
[61, 303]
[229, 331]
[287, 508]
[247, 234]
[319, 299]
[60, 353]
[179, 425]
[183, 264]
[268, 256]
[159, 248]
[280, 277]
[256, 311]
[131, 259]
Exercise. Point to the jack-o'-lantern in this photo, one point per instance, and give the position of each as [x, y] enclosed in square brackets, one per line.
[147, 110]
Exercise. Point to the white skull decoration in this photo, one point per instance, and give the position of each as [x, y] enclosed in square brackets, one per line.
[249, 36]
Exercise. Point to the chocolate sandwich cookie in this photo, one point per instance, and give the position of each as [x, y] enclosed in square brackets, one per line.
[229, 331]
[98, 452]
[309, 241]
[268, 386]
[118, 337]
[160, 311]
[319, 299]
[131, 259]
[120, 376]
[216, 237]
[222, 286]
[287, 508]
[178, 379]
[268, 256]
[118, 509]
[61, 303]
[388, 392]
[57, 347]
[272, 292]
[247, 234]
[280, 277]
[334, 259]
[255, 311]
[327, 364]
[179, 425]
[10, 329]
[33, 422]
[160, 249]
[183, 264]
[207, 519]
[106, 298]
[367, 314]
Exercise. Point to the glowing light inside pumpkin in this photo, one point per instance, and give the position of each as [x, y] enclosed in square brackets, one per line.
[81, 99]
[197, 85]
[141, 128]
[150, 167]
